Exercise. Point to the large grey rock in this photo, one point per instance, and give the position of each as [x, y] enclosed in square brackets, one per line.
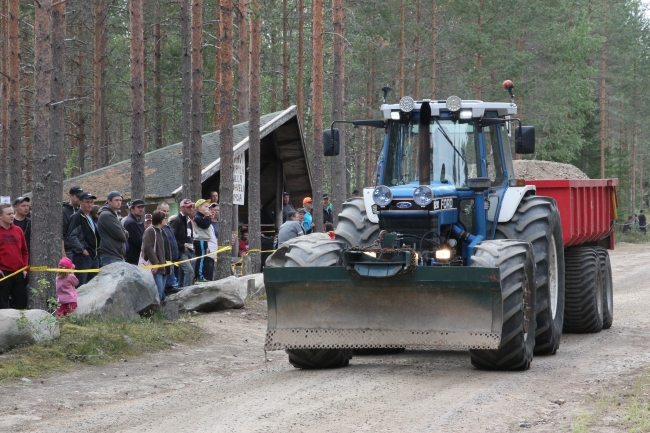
[257, 288]
[215, 295]
[119, 290]
[26, 327]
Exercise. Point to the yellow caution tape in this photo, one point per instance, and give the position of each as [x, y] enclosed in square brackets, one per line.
[15, 273]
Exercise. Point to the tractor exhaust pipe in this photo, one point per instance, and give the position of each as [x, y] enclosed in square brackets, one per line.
[424, 142]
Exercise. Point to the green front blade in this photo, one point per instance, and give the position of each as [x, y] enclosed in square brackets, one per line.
[446, 308]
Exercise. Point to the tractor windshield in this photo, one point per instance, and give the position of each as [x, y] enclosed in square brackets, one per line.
[453, 152]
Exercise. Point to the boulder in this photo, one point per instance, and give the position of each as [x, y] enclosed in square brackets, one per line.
[258, 287]
[213, 296]
[26, 327]
[118, 290]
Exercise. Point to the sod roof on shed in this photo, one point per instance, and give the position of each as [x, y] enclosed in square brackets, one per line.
[163, 167]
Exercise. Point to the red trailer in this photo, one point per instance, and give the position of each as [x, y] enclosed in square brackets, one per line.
[587, 209]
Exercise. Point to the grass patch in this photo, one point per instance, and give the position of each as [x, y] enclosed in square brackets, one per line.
[93, 341]
[581, 423]
[632, 236]
[636, 408]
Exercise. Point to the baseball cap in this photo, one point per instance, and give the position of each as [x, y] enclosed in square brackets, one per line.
[214, 204]
[285, 193]
[76, 190]
[85, 195]
[111, 195]
[20, 200]
[66, 263]
[356, 191]
[307, 200]
[148, 217]
[199, 202]
[186, 202]
[137, 202]
[326, 195]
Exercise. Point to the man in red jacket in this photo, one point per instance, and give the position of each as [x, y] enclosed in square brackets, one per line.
[13, 256]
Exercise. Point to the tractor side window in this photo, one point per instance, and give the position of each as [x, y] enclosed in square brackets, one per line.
[493, 155]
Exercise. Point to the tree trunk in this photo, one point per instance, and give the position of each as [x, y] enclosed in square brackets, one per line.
[217, 66]
[479, 54]
[57, 120]
[285, 56]
[4, 115]
[317, 118]
[14, 127]
[157, 86]
[339, 173]
[416, 66]
[242, 54]
[254, 197]
[434, 48]
[99, 62]
[81, 119]
[301, 57]
[197, 98]
[186, 85]
[603, 94]
[226, 173]
[46, 220]
[369, 131]
[137, 100]
[402, 10]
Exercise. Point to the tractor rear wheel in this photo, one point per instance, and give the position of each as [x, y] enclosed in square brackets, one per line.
[583, 312]
[517, 269]
[537, 220]
[608, 287]
[354, 228]
[310, 252]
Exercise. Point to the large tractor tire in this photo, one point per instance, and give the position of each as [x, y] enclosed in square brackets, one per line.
[517, 269]
[354, 228]
[310, 252]
[608, 287]
[537, 220]
[583, 312]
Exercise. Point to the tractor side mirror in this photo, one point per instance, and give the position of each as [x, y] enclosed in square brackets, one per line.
[525, 139]
[331, 142]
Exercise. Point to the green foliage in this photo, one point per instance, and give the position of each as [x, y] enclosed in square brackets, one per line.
[94, 341]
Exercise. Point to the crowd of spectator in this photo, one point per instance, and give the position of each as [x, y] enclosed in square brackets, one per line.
[95, 236]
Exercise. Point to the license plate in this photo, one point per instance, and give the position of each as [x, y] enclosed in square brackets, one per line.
[443, 203]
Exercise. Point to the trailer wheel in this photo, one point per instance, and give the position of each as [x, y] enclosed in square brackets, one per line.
[608, 287]
[537, 221]
[354, 228]
[517, 269]
[583, 312]
[319, 358]
[310, 252]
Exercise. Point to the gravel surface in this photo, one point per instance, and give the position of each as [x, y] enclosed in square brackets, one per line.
[227, 386]
[531, 170]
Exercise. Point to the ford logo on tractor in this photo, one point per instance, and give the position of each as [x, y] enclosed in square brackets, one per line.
[404, 205]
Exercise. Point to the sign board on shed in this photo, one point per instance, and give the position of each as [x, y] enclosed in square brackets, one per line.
[239, 179]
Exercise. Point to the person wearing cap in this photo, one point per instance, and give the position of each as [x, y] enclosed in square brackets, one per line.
[147, 220]
[202, 224]
[66, 292]
[328, 216]
[133, 224]
[21, 218]
[355, 193]
[183, 227]
[112, 245]
[70, 208]
[286, 206]
[171, 282]
[83, 240]
[13, 257]
[307, 222]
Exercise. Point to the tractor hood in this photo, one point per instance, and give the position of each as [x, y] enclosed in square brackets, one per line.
[439, 190]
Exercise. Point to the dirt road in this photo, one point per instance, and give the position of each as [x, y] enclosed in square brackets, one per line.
[226, 386]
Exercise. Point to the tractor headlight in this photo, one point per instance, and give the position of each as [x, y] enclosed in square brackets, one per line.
[443, 254]
[453, 103]
[382, 196]
[406, 104]
[422, 195]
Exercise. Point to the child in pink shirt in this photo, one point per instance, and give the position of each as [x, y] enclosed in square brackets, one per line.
[65, 288]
